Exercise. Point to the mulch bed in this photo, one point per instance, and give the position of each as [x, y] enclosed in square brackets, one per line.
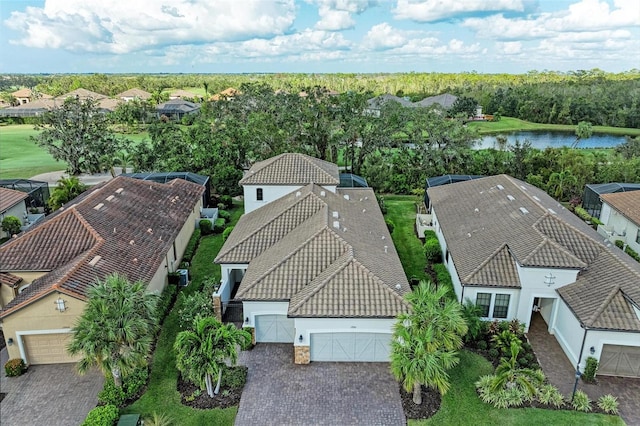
[431, 401]
[227, 397]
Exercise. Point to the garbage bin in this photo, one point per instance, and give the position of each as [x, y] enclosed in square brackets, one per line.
[184, 277]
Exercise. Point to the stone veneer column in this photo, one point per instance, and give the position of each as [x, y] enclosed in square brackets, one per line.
[302, 354]
[217, 307]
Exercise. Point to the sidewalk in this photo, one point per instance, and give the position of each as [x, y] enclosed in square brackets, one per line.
[52, 178]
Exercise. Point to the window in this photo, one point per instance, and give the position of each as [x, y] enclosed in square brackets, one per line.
[483, 301]
[638, 237]
[259, 194]
[501, 306]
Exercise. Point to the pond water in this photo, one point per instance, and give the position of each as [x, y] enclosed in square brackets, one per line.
[542, 140]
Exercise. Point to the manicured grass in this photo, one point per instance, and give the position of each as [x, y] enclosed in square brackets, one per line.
[509, 124]
[401, 210]
[461, 405]
[20, 157]
[161, 395]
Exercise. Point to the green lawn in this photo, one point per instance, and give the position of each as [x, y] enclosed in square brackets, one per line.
[461, 405]
[22, 158]
[508, 124]
[161, 395]
[401, 210]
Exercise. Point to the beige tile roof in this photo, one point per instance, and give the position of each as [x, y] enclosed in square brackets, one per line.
[22, 93]
[312, 257]
[481, 225]
[124, 225]
[10, 197]
[627, 203]
[82, 94]
[134, 93]
[182, 94]
[292, 169]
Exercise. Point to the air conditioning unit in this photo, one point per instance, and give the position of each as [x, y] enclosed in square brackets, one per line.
[184, 277]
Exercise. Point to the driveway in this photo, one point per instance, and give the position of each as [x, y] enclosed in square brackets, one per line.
[561, 374]
[48, 395]
[279, 392]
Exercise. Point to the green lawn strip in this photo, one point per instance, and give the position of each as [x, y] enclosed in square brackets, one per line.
[509, 124]
[401, 210]
[161, 395]
[461, 405]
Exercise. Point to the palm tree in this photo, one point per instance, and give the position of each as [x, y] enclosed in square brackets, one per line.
[123, 159]
[560, 182]
[509, 375]
[201, 353]
[426, 340]
[67, 189]
[115, 332]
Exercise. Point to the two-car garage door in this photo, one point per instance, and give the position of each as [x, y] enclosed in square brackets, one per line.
[356, 347]
[618, 360]
[47, 348]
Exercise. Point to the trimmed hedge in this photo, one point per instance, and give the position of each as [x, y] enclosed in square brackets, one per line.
[205, 227]
[165, 301]
[192, 246]
[390, 225]
[226, 232]
[432, 251]
[105, 415]
[218, 225]
[224, 214]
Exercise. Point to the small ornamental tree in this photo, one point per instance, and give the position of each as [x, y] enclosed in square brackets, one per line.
[11, 225]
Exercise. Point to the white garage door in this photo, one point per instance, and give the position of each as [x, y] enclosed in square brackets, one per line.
[617, 360]
[48, 348]
[274, 329]
[371, 347]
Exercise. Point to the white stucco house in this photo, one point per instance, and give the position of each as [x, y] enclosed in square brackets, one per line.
[511, 249]
[620, 216]
[12, 203]
[313, 264]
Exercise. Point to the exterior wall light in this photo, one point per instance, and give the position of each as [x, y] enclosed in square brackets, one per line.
[10, 341]
[300, 339]
[246, 320]
[592, 350]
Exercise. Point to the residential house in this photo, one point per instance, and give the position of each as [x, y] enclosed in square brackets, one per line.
[313, 265]
[182, 94]
[177, 108]
[131, 94]
[23, 96]
[12, 203]
[513, 251]
[591, 198]
[137, 228]
[620, 216]
[446, 101]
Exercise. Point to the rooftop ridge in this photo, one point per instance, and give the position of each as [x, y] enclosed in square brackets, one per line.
[548, 241]
[486, 261]
[605, 303]
[567, 224]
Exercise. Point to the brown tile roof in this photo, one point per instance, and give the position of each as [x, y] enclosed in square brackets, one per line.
[292, 169]
[182, 94]
[124, 225]
[483, 226]
[82, 94]
[9, 279]
[298, 250]
[134, 93]
[10, 197]
[22, 93]
[627, 203]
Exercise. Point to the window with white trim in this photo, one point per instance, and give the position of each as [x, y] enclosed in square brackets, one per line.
[259, 194]
[501, 306]
[483, 301]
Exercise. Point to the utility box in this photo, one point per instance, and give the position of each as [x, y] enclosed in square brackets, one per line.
[184, 277]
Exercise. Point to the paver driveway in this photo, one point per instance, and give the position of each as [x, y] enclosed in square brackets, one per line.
[279, 392]
[48, 395]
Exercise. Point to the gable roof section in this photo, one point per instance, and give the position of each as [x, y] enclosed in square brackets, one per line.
[82, 94]
[10, 197]
[135, 93]
[9, 280]
[124, 225]
[292, 169]
[575, 241]
[627, 203]
[499, 270]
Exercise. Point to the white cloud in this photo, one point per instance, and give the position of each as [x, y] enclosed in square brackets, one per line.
[437, 10]
[509, 47]
[384, 36]
[106, 26]
[336, 15]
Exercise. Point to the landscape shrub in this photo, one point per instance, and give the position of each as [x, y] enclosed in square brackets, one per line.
[632, 253]
[443, 278]
[165, 301]
[381, 204]
[15, 367]
[550, 395]
[234, 377]
[205, 226]
[135, 382]
[429, 234]
[582, 214]
[11, 225]
[390, 225]
[224, 214]
[619, 244]
[104, 415]
[218, 225]
[190, 307]
[432, 251]
[192, 246]
[482, 345]
[581, 402]
[227, 201]
[111, 394]
[590, 370]
[494, 353]
[210, 285]
[226, 232]
[609, 404]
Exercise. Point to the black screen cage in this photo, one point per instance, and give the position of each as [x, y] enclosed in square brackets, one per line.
[164, 177]
[445, 180]
[38, 191]
[591, 197]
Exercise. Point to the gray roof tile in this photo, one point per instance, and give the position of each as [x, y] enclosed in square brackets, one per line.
[292, 169]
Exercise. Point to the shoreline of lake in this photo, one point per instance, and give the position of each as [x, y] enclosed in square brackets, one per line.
[552, 139]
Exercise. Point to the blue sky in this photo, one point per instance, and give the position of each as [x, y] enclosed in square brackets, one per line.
[246, 36]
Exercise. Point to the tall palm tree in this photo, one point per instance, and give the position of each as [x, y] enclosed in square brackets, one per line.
[201, 353]
[561, 182]
[67, 189]
[115, 331]
[426, 340]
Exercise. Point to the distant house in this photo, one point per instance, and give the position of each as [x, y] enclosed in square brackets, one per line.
[182, 94]
[12, 203]
[177, 108]
[445, 100]
[23, 96]
[131, 94]
[620, 216]
[591, 198]
[227, 94]
[313, 265]
[515, 252]
[139, 229]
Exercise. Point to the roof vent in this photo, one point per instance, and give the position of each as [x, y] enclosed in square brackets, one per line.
[95, 260]
[298, 193]
[346, 196]
[335, 214]
[523, 210]
[366, 198]
[535, 197]
[323, 193]
[110, 197]
[386, 248]
[99, 206]
[119, 190]
[511, 197]
[500, 187]
[364, 210]
[476, 210]
[150, 231]
[336, 224]
[524, 188]
[383, 237]
[398, 286]
[552, 211]
[132, 242]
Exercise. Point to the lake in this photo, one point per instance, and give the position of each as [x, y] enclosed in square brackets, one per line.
[546, 139]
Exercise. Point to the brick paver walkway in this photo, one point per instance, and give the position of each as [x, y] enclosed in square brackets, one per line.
[279, 392]
[560, 373]
[48, 395]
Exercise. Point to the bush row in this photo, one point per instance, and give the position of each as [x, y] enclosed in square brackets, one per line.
[104, 415]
